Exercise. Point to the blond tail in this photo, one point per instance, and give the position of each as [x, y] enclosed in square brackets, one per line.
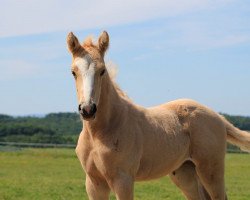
[238, 137]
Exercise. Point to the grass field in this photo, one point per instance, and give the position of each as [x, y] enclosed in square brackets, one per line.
[55, 174]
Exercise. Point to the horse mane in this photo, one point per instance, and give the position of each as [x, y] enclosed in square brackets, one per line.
[112, 71]
[120, 92]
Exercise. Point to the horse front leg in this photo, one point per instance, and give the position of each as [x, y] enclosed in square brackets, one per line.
[97, 189]
[123, 186]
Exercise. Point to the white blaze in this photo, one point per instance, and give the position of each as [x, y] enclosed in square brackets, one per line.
[88, 82]
[87, 73]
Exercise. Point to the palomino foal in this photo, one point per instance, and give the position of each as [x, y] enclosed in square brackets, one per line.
[122, 142]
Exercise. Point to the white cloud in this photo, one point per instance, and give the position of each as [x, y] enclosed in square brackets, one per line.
[36, 16]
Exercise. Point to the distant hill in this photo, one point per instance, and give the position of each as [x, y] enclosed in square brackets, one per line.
[61, 128]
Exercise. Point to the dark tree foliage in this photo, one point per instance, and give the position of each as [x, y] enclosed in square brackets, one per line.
[5, 117]
[242, 123]
[53, 128]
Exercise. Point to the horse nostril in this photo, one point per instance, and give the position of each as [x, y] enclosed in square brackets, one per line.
[94, 109]
[79, 107]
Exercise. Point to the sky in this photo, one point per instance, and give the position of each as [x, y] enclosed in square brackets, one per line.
[164, 50]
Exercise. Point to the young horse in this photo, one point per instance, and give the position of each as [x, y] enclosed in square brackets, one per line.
[122, 142]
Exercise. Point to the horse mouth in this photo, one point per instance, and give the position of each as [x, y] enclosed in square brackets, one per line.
[87, 117]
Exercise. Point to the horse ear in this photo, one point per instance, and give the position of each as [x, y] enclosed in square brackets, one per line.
[103, 42]
[73, 43]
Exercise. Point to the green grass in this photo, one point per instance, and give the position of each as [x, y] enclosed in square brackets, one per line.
[56, 174]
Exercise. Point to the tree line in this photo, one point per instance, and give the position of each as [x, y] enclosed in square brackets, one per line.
[56, 128]
[62, 128]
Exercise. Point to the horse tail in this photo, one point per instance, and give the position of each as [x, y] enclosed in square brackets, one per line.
[237, 137]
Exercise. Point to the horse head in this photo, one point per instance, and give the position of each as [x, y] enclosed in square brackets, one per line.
[88, 68]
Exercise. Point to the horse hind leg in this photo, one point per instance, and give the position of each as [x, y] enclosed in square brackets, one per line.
[211, 175]
[186, 179]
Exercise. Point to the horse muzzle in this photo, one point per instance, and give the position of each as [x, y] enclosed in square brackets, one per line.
[87, 112]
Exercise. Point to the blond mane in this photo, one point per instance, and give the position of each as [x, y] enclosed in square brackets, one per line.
[113, 71]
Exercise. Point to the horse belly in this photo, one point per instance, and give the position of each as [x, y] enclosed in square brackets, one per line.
[162, 160]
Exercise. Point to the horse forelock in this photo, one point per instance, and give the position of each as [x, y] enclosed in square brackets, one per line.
[92, 49]
[88, 42]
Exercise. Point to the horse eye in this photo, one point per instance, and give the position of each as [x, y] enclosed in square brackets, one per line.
[74, 74]
[102, 72]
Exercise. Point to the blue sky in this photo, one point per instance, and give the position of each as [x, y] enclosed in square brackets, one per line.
[198, 49]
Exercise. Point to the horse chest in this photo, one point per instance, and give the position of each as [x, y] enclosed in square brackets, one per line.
[96, 160]
[84, 153]
[87, 158]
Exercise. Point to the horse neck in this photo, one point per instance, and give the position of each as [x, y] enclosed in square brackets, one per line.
[110, 106]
